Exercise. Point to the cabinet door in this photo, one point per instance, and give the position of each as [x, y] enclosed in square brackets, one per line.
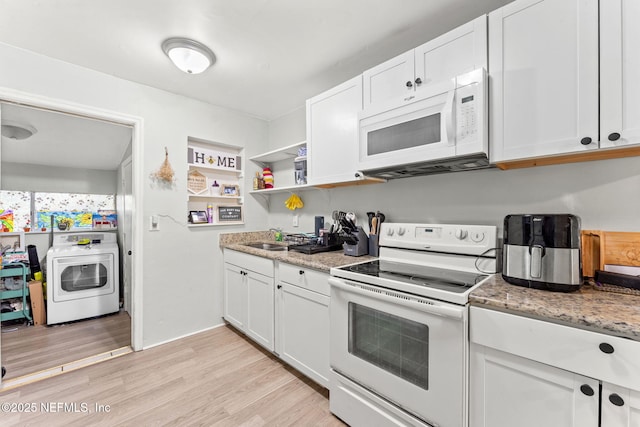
[260, 317]
[457, 52]
[332, 133]
[543, 65]
[620, 406]
[235, 296]
[390, 80]
[507, 391]
[303, 331]
[619, 71]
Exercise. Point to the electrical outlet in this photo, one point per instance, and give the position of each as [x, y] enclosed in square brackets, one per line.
[154, 224]
[296, 220]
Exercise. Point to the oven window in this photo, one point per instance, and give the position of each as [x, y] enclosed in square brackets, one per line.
[397, 345]
[414, 133]
[81, 277]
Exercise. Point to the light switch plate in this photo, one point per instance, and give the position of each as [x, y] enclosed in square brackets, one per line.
[154, 224]
[296, 220]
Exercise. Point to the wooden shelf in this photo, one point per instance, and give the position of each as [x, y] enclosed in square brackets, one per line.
[288, 152]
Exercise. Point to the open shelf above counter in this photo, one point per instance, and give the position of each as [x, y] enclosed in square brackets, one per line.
[288, 152]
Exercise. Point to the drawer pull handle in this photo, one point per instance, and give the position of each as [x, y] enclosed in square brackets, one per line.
[616, 399]
[606, 348]
[301, 272]
[587, 390]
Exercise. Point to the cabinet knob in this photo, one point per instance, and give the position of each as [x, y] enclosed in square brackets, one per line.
[418, 81]
[409, 84]
[279, 286]
[586, 141]
[587, 390]
[614, 136]
[129, 253]
[301, 272]
[606, 348]
[616, 399]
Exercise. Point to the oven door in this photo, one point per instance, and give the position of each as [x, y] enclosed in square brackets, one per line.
[419, 129]
[409, 350]
[77, 277]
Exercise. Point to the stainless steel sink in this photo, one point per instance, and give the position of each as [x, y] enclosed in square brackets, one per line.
[267, 246]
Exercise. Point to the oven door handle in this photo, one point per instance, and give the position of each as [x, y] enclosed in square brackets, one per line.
[429, 307]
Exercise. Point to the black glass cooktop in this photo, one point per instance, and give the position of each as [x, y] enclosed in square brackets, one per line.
[433, 277]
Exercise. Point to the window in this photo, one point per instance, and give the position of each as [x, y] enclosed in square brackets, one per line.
[81, 210]
[15, 210]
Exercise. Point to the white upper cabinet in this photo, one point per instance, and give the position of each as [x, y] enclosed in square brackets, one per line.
[332, 133]
[619, 73]
[459, 51]
[543, 66]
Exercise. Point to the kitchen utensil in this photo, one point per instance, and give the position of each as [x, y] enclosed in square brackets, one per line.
[370, 215]
[374, 225]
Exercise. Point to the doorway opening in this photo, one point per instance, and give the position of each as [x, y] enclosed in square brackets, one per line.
[107, 159]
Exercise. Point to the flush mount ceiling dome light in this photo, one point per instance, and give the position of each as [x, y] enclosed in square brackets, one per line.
[17, 131]
[188, 55]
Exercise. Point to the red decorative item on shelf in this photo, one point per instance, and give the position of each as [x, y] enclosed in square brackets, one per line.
[268, 178]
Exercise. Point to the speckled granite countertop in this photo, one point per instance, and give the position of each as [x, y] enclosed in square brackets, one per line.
[323, 261]
[588, 308]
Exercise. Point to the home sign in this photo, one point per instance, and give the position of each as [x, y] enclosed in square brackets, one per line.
[213, 159]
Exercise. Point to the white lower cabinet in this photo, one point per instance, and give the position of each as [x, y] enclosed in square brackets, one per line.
[526, 372]
[292, 322]
[302, 321]
[249, 296]
[508, 390]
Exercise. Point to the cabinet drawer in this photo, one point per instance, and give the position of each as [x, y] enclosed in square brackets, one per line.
[593, 354]
[249, 262]
[307, 278]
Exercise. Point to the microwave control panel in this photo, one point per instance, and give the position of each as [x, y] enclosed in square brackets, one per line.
[467, 111]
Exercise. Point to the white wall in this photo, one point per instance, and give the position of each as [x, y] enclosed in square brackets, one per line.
[288, 129]
[25, 177]
[182, 267]
[604, 194]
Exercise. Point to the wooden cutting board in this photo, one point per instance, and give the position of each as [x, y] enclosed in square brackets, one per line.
[608, 247]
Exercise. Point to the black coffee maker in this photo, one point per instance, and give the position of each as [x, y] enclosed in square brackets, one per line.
[542, 251]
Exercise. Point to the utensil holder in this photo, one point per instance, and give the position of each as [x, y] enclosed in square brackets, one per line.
[374, 249]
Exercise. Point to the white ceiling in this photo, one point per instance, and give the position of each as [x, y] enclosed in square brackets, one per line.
[271, 54]
[63, 140]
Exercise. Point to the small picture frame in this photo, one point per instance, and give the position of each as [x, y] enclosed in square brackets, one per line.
[229, 190]
[198, 217]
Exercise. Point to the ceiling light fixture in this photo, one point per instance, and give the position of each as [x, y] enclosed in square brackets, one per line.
[188, 55]
[17, 131]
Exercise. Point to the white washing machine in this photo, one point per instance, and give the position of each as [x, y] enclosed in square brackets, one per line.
[82, 276]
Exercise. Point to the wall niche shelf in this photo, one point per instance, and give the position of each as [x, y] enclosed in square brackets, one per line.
[208, 164]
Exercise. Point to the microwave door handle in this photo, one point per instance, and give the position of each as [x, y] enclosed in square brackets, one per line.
[448, 112]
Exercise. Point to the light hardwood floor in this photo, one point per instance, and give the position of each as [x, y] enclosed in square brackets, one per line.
[216, 378]
[29, 349]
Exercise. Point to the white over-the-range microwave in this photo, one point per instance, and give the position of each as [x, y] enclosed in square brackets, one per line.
[442, 128]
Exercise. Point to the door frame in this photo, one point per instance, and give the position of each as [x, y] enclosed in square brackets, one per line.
[8, 95]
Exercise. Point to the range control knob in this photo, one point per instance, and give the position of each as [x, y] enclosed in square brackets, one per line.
[477, 236]
[389, 231]
[401, 231]
[461, 234]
